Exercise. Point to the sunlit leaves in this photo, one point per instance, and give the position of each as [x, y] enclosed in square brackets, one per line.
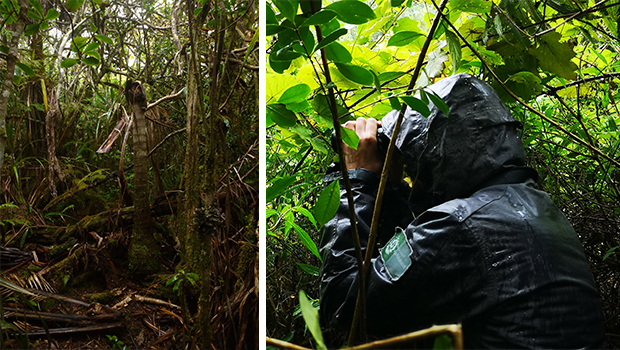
[320, 17]
[104, 39]
[25, 68]
[311, 316]
[352, 11]
[287, 7]
[68, 62]
[387, 76]
[337, 53]
[355, 73]
[475, 6]
[403, 38]
[555, 57]
[295, 93]
[455, 50]
[438, 102]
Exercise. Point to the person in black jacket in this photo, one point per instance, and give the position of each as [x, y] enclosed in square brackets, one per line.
[479, 245]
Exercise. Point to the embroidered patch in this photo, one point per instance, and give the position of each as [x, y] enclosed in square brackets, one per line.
[396, 255]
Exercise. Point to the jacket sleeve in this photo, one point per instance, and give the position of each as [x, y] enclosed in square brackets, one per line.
[419, 298]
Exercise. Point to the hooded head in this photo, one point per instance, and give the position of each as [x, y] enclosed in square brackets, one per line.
[454, 156]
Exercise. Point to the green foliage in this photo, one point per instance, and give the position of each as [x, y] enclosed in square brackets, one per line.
[115, 342]
[311, 316]
[541, 51]
[182, 277]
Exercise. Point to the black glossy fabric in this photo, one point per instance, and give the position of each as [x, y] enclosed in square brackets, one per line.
[490, 250]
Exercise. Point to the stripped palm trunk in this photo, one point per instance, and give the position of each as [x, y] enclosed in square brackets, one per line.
[143, 248]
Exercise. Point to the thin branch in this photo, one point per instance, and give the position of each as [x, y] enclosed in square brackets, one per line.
[589, 9]
[553, 89]
[164, 99]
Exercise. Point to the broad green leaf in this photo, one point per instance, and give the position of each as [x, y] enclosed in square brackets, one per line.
[305, 238]
[454, 45]
[272, 25]
[403, 38]
[35, 16]
[356, 74]
[417, 105]
[475, 6]
[395, 103]
[321, 106]
[524, 84]
[311, 316]
[331, 38]
[36, 5]
[305, 212]
[26, 69]
[78, 43]
[349, 137]
[295, 93]
[555, 57]
[337, 53]
[278, 66]
[278, 187]
[91, 47]
[91, 61]
[297, 107]
[31, 29]
[320, 17]
[309, 7]
[280, 115]
[51, 14]
[320, 145]
[312, 270]
[4, 49]
[439, 103]
[396, 3]
[68, 62]
[73, 5]
[352, 11]
[288, 8]
[104, 39]
[387, 76]
[327, 204]
[94, 54]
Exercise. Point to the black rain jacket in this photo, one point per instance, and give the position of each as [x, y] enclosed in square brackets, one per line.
[490, 250]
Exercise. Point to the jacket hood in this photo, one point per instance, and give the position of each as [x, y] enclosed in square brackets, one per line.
[456, 155]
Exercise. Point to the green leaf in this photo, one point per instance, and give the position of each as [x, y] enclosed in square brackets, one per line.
[288, 8]
[356, 74]
[94, 54]
[305, 212]
[609, 252]
[337, 53]
[387, 76]
[417, 105]
[403, 38]
[35, 16]
[4, 49]
[26, 69]
[78, 43]
[91, 47]
[104, 39]
[320, 145]
[311, 316]
[51, 14]
[305, 238]
[307, 8]
[312, 270]
[331, 38]
[439, 103]
[73, 5]
[91, 61]
[454, 45]
[443, 342]
[278, 187]
[352, 11]
[555, 57]
[327, 204]
[31, 29]
[68, 62]
[396, 3]
[320, 17]
[280, 115]
[475, 6]
[349, 137]
[295, 93]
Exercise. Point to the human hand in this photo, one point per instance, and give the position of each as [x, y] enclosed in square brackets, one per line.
[367, 154]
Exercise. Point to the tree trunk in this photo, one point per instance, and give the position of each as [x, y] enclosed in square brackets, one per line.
[8, 79]
[198, 216]
[143, 248]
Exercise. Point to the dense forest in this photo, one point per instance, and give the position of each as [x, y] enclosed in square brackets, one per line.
[554, 63]
[129, 174]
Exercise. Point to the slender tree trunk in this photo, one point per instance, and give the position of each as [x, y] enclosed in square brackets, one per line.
[54, 169]
[8, 78]
[143, 248]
